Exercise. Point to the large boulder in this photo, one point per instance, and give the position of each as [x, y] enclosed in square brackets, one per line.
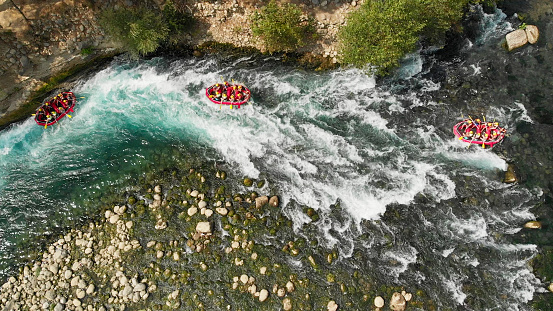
[516, 39]
[532, 33]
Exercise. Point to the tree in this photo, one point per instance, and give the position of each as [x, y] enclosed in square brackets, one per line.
[142, 30]
[139, 30]
[379, 33]
[282, 28]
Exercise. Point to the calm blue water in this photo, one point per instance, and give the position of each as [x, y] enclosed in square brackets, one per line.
[320, 138]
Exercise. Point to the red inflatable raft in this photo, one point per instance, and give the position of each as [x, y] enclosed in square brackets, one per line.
[480, 133]
[233, 95]
[55, 109]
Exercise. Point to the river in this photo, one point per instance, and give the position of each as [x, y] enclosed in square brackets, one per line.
[426, 211]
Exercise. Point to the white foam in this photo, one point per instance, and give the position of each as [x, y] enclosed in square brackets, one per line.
[401, 256]
[411, 65]
[455, 286]
[523, 113]
[447, 252]
[477, 69]
[469, 230]
[492, 25]
[476, 157]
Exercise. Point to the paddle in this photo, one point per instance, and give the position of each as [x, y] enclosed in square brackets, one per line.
[470, 142]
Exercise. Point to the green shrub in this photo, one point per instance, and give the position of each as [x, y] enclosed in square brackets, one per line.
[176, 21]
[380, 32]
[282, 28]
[140, 30]
[87, 51]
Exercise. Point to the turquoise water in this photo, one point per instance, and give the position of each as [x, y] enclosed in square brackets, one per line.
[320, 138]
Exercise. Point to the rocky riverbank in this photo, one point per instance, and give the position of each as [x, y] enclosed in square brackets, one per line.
[190, 242]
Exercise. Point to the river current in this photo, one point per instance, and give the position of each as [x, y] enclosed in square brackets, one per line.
[432, 213]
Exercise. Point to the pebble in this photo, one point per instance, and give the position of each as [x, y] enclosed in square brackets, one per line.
[140, 287]
[192, 211]
[290, 286]
[80, 293]
[332, 306]
[76, 302]
[378, 302]
[287, 304]
[113, 218]
[75, 281]
[263, 295]
[244, 278]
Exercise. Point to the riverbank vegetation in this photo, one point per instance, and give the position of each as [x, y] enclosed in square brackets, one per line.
[282, 27]
[141, 30]
[380, 33]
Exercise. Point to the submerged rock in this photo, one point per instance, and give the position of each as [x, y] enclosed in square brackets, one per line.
[203, 227]
[287, 304]
[510, 175]
[378, 302]
[397, 303]
[273, 201]
[332, 306]
[263, 295]
[261, 201]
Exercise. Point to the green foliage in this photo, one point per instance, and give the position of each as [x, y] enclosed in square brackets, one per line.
[139, 30]
[522, 26]
[87, 51]
[176, 21]
[380, 32]
[143, 30]
[282, 28]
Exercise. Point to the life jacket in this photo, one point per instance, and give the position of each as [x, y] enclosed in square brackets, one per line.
[64, 103]
[53, 104]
